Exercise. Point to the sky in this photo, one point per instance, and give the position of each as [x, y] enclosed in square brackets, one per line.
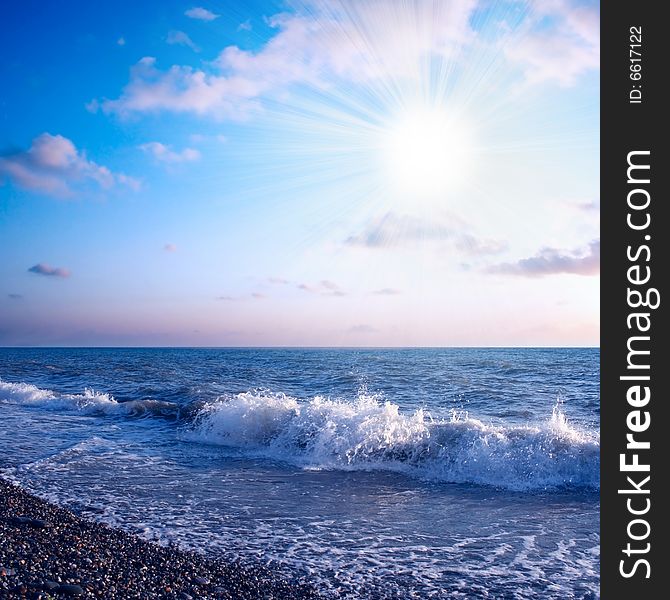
[308, 173]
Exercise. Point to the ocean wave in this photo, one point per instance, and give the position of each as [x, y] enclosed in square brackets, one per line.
[366, 434]
[90, 402]
[372, 434]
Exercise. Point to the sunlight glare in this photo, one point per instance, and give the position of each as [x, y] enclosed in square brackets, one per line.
[428, 153]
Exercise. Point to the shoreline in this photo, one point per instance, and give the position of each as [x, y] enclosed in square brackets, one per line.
[49, 552]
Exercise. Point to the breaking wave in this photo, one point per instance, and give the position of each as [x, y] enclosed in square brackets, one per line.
[90, 402]
[371, 434]
[366, 434]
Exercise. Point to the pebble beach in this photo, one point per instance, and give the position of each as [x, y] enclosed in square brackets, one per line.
[49, 552]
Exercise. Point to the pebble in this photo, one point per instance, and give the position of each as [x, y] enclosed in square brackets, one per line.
[70, 589]
[49, 585]
[37, 523]
[70, 556]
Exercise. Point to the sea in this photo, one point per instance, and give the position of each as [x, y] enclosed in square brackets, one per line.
[373, 473]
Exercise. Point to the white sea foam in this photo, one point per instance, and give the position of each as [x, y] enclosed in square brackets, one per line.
[23, 393]
[90, 402]
[370, 434]
[367, 434]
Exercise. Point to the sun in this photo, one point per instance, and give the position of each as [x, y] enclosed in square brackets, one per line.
[427, 153]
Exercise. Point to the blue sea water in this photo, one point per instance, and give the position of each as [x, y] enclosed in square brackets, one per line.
[376, 473]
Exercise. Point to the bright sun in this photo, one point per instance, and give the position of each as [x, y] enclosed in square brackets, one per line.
[428, 153]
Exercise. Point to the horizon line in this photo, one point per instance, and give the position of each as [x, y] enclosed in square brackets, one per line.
[293, 347]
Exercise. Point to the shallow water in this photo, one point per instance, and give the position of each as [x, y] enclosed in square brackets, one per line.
[383, 473]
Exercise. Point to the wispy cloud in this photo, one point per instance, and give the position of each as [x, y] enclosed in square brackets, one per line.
[164, 153]
[387, 292]
[53, 166]
[201, 14]
[393, 230]
[170, 247]
[121, 41]
[179, 38]
[252, 296]
[246, 26]
[15, 296]
[322, 288]
[589, 206]
[560, 52]
[474, 246]
[49, 271]
[325, 287]
[331, 44]
[350, 41]
[131, 182]
[551, 261]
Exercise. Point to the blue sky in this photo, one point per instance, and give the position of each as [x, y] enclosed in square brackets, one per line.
[322, 172]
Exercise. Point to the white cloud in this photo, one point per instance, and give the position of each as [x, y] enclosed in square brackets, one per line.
[551, 261]
[92, 106]
[584, 206]
[163, 153]
[201, 14]
[132, 182]
[252, 296]
[179, 38]
[474, 246]
[394, 230]
[53, 166]
[181, 89]
[387, 292]
[560, 52]
[322, 288]
[352, 44]
[383, 41]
